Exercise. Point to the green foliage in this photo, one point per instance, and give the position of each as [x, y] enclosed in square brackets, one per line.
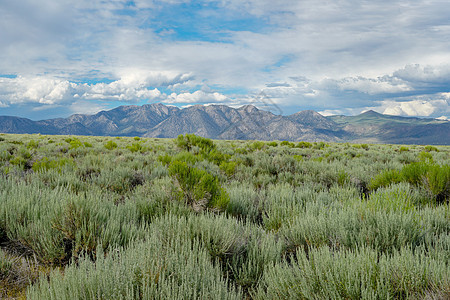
[137, 147]
[110, 145]
[286, 143]
[165, 159]
[188, 141]
[45, 164]
[414, 172]
[257, 145]
[6, 266]
[298, 157]
[430, 149]
[75, 144]
[425, 157]
[221, 220]
[182, 269]
[437, 182]
[18, 161]
[363, 274]
[385, 178]
[434, 178]
[320, 145]
[403, 149]
[199, 188]
[303, 144]
[228, 167]
[33, 144]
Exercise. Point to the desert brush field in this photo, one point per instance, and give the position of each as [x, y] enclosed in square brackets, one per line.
[193, 218]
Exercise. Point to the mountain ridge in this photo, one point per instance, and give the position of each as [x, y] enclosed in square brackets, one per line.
[245, 123]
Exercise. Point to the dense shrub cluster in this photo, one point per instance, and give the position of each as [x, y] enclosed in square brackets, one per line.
[192, 218]
[434, 178]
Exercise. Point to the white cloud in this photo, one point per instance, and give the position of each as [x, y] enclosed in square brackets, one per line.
[36, 90]
[86, 107]
[412, 108]
[348, 51]
[134, 86]
[197, 97]
[425, 74]
[372, 86]
[419, 107]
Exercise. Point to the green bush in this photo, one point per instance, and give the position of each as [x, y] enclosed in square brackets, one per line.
[363, 274]
[222, 219]
[110, 145]
[256, 145]
[228, 167]
[198, 187]
[425, 157]
[414, 173]
[33, 144]
[45, 164]
[188, 141]
[288, 144]
[437, 182]
[175, 268]
[430, 148]
[165, 159]
[385, 178]
[303, 144]
[137, 147]
[320, 145]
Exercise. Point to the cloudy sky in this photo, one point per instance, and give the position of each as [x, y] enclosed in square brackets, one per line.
[63, 57]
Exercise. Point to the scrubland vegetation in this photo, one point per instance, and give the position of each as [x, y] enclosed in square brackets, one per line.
[191, 218]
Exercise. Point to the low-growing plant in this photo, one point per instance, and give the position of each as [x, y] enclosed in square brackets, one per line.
[430, 149]
[188, 141]
[110, 145]
[257, 145]
[303, 144]
[137, 147]
[44, 164]
[198, 187]
[287, 143]
[228, 167]
[33, 144]
[425, 157]
[385, 178]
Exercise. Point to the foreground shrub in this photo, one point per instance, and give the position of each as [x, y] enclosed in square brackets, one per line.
[45, 164]
[110, 145]
[176, 268]
[198, 187]
[434, 178]
[361, 274]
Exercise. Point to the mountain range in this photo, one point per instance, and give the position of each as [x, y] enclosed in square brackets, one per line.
[243, 123]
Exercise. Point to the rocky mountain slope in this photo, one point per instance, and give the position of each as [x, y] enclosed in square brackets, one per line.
[246, 122]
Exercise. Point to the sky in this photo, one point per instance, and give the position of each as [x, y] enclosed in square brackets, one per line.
[63, 57]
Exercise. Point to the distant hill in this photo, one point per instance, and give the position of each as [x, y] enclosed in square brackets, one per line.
[378, 128]
[246, 122]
